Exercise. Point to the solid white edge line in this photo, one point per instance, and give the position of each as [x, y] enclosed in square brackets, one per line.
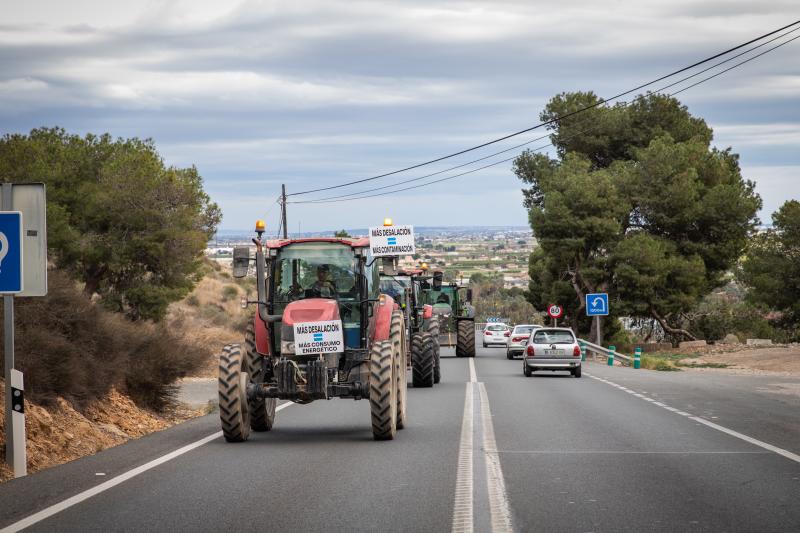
[780, 451]
[498, 497]
[463, 518]
[113, 482]
[473, 378]
[767, 446]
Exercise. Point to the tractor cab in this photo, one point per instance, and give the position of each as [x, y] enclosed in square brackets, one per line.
[305, 271]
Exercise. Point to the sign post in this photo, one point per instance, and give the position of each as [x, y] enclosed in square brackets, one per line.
[555, 312]
[23, 272]
[597, 306]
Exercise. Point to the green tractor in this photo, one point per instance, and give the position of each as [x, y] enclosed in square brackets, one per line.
[452, 303]
[407, 288]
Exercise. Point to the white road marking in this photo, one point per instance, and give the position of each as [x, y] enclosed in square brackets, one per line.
[498, 498]
[767, 446]
[780, 451]
[472, 376]
[113, 482]
[462, 510]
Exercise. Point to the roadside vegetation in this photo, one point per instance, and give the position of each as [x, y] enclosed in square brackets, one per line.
[125, 236]
[639, 204]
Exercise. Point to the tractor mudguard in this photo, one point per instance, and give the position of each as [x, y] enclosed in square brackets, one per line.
[382, 319]
[262, 336]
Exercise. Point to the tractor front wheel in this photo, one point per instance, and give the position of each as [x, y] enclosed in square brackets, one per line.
[262, 410]
[433, 329]
[422, 360]
[383, 390]
[232, 387]
[397, 334]
[465, 341]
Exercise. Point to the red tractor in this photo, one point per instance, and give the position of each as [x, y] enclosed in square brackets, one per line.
[322, 330]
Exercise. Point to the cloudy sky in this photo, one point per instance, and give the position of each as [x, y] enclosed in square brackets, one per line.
[314, 93]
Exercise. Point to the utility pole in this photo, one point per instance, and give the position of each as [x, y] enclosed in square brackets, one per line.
[283, 211]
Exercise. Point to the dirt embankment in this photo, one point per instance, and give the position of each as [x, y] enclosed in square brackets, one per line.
[59, 433]
[778, 360]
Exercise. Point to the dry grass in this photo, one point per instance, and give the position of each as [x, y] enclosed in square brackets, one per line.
[70, 348]
[213, 314]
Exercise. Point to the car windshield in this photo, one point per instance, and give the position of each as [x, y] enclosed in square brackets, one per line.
[549, 336]
[524, 329]
[315, 270]
[496, 327]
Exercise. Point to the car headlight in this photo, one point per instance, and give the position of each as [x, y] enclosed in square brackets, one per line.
[287, 347]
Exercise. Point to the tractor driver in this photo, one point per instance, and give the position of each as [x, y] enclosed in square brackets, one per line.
[324, 287]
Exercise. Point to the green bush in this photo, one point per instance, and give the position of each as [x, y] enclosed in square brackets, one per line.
[230, 292]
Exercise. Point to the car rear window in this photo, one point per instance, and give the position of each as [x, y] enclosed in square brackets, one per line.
[553, 337]
[523, 329]
[497, 328]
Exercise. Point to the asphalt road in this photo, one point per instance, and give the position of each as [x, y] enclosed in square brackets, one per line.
[617, 450]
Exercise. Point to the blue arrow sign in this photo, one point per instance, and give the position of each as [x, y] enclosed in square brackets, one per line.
[597, 304]
[10, 252]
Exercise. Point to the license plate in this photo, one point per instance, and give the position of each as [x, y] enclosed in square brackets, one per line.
[554, 352]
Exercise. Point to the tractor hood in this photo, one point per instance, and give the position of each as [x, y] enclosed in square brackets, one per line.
[310, 310]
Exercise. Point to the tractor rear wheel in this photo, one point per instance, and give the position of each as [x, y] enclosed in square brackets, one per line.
[383, 390]
[233, 412]
[397, 334]
[465, 341]
[433, 329]
[262, 410]
[422, 360]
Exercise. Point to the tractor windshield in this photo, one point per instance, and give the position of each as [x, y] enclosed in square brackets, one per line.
[394, 286]
[316, 270]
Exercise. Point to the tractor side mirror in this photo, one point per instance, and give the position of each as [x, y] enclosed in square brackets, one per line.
[438, 276]
[241, 261]
[389, 265]
[469, 295]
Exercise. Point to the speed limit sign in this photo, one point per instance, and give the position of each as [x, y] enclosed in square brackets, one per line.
[555, 311]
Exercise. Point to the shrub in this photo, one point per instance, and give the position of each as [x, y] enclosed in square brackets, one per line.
[230, 292]
[70, 347]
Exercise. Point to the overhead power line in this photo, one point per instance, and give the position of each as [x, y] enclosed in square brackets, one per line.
[542, 124]
[361, 194]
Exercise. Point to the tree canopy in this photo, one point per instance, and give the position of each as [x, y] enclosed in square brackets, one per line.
[637, 203]
[118, 219]
[771, 269]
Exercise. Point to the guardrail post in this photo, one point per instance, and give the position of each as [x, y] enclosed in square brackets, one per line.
[583, 350]
[637, 357]
[611, 350]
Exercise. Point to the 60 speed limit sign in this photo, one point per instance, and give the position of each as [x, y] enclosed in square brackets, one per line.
[555, 311]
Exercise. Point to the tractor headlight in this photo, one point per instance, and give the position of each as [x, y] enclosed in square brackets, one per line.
[287, 347]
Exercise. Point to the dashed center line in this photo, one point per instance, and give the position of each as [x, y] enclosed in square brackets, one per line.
[767, 446]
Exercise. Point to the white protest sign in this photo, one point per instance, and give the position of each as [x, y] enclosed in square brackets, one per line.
[318, 337]
[391, 240]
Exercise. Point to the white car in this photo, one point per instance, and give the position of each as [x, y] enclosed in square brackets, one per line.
[518, 339]
[552, 349]
[496, 333]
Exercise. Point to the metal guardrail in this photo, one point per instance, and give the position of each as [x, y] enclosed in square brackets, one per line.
[604, 352]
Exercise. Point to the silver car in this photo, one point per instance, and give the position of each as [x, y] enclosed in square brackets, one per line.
[496, 333]
[552, 349]
[519, 339]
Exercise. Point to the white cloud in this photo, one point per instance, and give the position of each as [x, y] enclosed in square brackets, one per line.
[319, 91]
[747, 135]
